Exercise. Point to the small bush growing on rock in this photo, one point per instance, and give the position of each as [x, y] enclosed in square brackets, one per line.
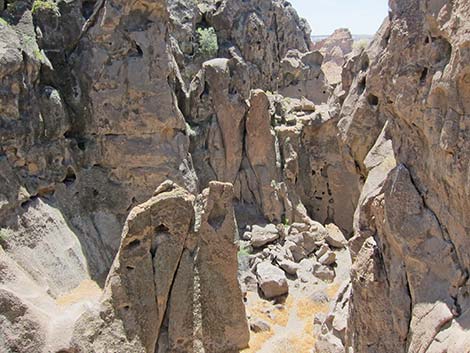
[41, 5]
[208, 46]
[244, 251]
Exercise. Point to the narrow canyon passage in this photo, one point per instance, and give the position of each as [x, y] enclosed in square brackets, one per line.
[205, 176]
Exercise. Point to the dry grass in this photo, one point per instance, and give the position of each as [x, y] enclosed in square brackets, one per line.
[299, 343]
[332, 290]
[86, 290]
[295, 335]
[307, 308]
[260, 309]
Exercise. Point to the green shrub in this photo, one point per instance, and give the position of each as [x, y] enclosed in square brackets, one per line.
[41, 5]
[242, 251]
[208, 46]
[286, 222]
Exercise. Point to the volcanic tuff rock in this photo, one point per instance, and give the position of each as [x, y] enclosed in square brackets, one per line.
[102, 101]
[193, 297]
[410, 91]
[335, 49]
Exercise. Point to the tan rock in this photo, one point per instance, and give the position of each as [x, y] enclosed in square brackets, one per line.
[334, 237]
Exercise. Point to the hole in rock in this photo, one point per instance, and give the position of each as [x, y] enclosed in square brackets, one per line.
[81, 145]
[424, 75]
[27, 203]
[136, 51]
[373, 100]
[87, 8]
[133, 244]
[217, 216]
[70, 177]
[365, 63]
[362, 86]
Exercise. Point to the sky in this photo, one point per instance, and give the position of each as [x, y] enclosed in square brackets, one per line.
[360, 16]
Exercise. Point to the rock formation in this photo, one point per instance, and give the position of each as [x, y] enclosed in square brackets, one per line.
[266, 164]
[334, 49]
[191, 301]
[410, 273]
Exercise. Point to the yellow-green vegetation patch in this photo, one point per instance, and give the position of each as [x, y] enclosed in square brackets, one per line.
[44, 5]
[244, 251]
[3, 22]
[39, 55]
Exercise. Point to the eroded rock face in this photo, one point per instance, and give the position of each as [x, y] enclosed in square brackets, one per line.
[335, 48]
[192, 297]
[412, 202]
[103, 101]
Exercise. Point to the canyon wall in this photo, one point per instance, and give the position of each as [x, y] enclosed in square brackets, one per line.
[138, 137]
[410, 245]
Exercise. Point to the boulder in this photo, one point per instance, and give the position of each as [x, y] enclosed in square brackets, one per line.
[305, 271]
[334, 237]
[272, 280]
[290, 267]
[328, 258]
[323, 272]
[261, 236]
[322, 251]
[258, 325]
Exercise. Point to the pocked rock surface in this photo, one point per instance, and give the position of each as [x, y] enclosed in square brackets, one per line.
[190, 176]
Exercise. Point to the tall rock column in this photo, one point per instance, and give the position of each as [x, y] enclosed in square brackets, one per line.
[261, 153]
[206, 311]
[172, 288]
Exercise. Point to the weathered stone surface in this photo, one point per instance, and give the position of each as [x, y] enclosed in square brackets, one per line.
[224, 323]
[261, 236]
[413, 210]
[22, 330]
[334, 237]
[334, 49]
[102, 101]
[193, 296]
[153, 241]
[272, 280]
[261, 154]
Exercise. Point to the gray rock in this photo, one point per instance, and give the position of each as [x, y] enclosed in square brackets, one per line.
[322, 251]
[261, 236]
[323, 272]
[289, 267]
[272, 280]
[258, 325]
